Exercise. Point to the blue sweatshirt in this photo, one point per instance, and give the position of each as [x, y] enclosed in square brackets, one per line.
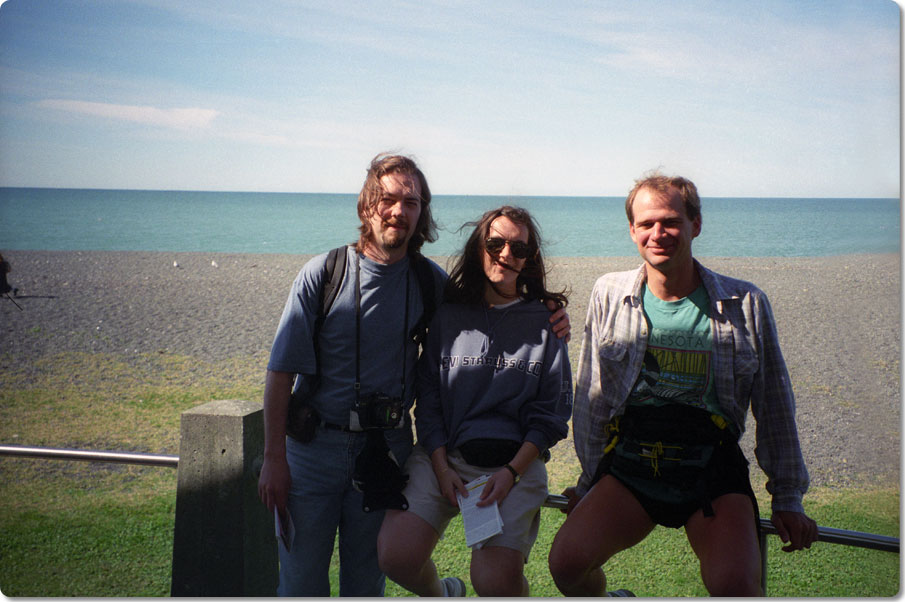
[496, 373]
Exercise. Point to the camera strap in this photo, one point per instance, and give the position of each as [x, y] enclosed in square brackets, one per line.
[358, 327]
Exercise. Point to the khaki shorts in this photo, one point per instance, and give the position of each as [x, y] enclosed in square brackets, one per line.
[520, 509]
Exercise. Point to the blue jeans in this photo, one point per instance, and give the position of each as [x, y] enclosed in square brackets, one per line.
[322, 500]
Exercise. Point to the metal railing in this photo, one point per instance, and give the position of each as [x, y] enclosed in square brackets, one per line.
[89, 456]
[856, 539]
[824, 534]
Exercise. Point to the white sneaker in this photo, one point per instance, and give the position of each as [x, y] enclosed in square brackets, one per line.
[453, 587]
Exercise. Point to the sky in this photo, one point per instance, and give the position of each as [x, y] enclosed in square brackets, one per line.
[777, 98]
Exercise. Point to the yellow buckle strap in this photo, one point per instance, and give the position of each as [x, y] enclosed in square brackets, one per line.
[610, 429]
[655, 451]
[719, 421]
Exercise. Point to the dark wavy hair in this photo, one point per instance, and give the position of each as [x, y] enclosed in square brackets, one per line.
[467, 278]
[372, 191]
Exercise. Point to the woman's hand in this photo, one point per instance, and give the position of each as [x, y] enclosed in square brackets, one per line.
[450, 482]
[497, 487]
[448, 479]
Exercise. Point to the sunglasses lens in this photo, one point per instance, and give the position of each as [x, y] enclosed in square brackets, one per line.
[518, 248]
[494, 245]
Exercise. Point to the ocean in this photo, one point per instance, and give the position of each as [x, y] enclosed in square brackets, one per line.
[254, 222]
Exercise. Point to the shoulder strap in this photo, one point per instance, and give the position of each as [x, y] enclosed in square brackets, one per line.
[331, 279]
[334, 271]
[426, 282]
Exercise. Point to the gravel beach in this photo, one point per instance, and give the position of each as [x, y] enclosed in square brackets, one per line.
[839, 323]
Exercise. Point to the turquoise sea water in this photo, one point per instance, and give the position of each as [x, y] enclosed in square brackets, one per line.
[249, 222]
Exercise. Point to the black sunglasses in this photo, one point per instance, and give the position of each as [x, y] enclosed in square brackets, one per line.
[519, 249]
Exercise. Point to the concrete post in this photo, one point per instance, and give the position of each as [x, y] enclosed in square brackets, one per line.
[223, 540]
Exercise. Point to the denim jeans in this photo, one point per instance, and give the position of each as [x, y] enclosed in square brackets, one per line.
[322, 501]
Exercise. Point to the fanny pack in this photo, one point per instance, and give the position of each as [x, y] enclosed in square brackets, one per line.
[489, 452]
[673, 442]
[672, 445]
[301, 419]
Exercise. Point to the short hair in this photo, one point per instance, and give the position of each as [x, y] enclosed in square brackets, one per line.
[657, 182]
[467, 278]
[372, 191]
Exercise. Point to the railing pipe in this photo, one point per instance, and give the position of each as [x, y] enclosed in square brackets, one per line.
[824, 534]
[90, 456]
[857, 539]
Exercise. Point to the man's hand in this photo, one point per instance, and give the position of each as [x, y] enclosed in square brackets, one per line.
[574, 498]
[562, 327]
[274, 483]
[796, 529]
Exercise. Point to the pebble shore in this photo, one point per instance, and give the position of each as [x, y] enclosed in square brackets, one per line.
[839, 321]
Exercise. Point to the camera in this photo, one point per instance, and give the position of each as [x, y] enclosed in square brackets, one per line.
[377, 412]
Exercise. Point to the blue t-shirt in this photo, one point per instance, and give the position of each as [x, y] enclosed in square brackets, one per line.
[383, 306]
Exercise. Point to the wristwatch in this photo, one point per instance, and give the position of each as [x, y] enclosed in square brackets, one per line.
[515, 474]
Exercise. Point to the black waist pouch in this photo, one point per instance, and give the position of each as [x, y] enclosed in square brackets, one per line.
[673, 444]
[302, 419]
[489, 452]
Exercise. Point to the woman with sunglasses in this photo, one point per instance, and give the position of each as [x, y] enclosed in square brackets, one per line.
[494, 394]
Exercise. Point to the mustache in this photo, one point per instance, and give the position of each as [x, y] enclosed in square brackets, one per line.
[399, 223]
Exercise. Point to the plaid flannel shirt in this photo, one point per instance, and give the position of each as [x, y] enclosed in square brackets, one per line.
[748, 366]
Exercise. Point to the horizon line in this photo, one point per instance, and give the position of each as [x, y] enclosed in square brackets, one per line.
[521, 196]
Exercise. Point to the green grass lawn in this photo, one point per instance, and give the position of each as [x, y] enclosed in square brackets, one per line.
[87, 530]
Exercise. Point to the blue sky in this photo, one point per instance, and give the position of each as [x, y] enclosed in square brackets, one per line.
[767, 98]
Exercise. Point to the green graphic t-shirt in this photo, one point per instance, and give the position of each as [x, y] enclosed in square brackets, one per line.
[678, 364]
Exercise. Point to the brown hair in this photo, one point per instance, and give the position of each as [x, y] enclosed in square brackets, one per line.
[657, 182]
[467, 278]
[372, 191]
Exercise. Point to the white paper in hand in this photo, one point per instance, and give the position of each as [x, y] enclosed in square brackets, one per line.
[481, 522]
[285, 530]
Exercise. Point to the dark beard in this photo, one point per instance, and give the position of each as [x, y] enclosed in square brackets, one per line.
[395, 239]
[395, 242]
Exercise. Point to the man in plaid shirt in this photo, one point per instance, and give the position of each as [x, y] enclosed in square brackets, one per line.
[673, 355]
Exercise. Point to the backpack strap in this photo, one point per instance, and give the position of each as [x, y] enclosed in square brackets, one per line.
[334, 271]
[425, 276]
[332, 278]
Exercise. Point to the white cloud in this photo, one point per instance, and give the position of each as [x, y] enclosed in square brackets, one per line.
[182, 119]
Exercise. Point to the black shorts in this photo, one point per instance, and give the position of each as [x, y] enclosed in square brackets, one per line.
[671, 495]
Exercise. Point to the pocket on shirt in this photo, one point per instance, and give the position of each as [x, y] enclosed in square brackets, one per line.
[745, 360]
[611, 350]
[614, 357]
